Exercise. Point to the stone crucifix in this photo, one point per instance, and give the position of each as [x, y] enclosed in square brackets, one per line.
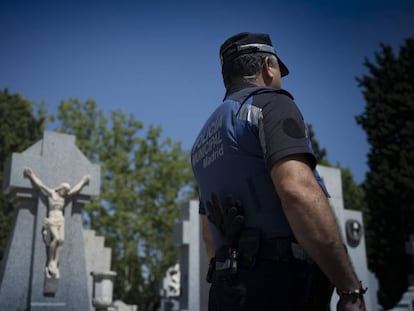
[24, 285]
[54, 224]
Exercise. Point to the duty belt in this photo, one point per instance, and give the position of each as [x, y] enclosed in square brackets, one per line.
[228, 258]
[282, 249]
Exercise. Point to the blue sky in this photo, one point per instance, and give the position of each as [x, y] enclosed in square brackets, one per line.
[159, 61]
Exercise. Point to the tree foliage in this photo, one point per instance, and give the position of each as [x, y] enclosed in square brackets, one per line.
[20, 127]
[142, 186]
[353, 194]
[319, 152]
[388, 121]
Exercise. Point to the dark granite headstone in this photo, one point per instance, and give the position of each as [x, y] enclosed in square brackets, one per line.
[54, 159]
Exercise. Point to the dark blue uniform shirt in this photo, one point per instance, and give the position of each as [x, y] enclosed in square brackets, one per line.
[237, 147]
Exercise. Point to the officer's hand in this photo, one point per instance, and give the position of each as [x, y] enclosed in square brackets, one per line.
[226, 215]
[350, 303]
[233, 216]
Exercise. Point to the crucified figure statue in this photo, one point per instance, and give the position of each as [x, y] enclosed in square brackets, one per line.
[54, 224]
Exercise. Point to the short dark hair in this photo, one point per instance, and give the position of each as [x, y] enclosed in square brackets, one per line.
[242, 55]
[243, 65]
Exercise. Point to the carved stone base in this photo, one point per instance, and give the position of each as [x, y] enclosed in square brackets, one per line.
[50, 286]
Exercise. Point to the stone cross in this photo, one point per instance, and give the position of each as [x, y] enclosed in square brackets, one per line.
[193, 260]
[350, 223]
[23, 283]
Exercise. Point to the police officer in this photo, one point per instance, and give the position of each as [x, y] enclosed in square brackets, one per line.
[267, 223]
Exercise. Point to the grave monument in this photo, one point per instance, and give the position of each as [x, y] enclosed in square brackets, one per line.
[44, 265]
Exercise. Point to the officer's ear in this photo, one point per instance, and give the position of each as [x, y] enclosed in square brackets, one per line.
[268, 68]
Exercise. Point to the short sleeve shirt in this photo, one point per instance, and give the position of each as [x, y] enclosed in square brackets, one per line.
[278, 123]
[284, 131]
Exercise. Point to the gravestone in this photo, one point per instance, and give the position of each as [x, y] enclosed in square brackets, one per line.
[352, 229]
[97, 257]
[170, 289]
[194, 260]
[23, 283]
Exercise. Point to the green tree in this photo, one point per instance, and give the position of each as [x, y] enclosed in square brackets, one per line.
[388, 121]
[353, 194]
[142, 186]
[20, 127]
[320, 153]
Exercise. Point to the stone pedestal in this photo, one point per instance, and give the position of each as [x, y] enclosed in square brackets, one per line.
[103, 286]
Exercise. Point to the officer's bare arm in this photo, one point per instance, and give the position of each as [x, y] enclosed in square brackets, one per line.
[207, 238]
[312, 219]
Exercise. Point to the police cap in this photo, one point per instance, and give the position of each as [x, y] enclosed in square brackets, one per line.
[248, 43]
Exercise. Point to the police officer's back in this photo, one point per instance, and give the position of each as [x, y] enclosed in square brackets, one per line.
[255, 147]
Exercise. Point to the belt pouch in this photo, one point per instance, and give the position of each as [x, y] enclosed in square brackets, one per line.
[249, 244]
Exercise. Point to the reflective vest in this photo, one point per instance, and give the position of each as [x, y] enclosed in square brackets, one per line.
[227, 157]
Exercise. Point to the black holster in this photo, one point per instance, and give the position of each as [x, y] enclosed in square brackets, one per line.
[248, 246]
[224, 265]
